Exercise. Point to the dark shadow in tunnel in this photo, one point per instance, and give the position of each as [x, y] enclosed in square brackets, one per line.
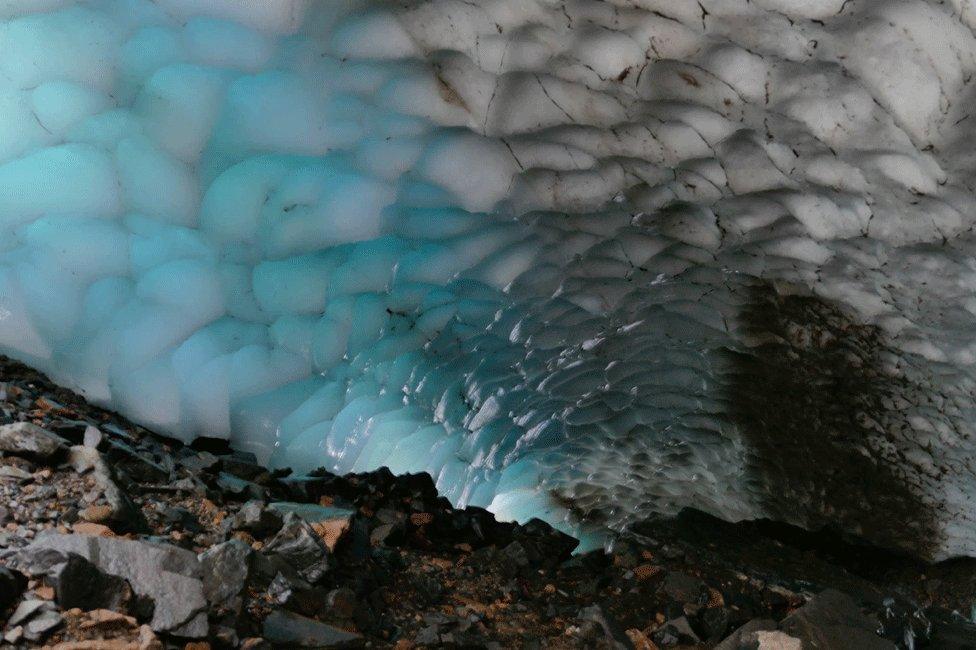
[811, 401]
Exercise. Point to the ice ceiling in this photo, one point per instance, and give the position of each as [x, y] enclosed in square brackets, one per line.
[581, 260]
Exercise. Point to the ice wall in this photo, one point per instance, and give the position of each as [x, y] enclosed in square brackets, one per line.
[580, 260]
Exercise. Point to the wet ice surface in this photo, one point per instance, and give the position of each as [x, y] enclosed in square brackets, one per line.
[579, 260]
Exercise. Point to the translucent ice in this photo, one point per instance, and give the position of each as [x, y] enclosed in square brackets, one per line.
[583, 260]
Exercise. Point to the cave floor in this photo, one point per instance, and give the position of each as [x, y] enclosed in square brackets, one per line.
[381, 561]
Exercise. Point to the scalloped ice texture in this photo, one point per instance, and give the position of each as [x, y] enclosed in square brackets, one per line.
[580, 260]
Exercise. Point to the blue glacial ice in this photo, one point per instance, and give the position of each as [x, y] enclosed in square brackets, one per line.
[580, 260]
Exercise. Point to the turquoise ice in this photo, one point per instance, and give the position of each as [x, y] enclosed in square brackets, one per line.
[524, 245]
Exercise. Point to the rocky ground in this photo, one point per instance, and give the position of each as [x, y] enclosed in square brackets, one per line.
[112, 537]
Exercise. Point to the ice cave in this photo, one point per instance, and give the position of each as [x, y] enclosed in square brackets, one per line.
[579, 260]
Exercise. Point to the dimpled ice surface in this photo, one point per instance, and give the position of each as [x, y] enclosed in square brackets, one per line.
[579, 260]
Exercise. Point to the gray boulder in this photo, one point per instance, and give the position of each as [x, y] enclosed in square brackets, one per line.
[833, 620]
[171, 577]
[25, 438]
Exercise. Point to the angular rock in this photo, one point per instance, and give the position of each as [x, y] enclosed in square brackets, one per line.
[14, 634]
[14, 473]
[24, 438]
[181, 518]
[197, 461]
[545, 545]
[226, 568]
[79, 583]
[341, 602]
[329, 523]
[833, 620]
[12, 586]
[714, 622]
[512, 559]
[169, 576]
[123, 515]
[257, 519]
[35, 618]
[93, 437]
[136, 464]
[300, 546]
[738, 639]
[611, 630]
[233, 485]
[242, 467]
[25, 611]
[684, 588]
[676, 631]
[429, 635]
[283, 628]
[42, 624]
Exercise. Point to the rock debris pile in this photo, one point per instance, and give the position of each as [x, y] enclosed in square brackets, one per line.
[114, 538]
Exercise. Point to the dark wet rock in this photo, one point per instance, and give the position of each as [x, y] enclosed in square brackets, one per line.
[544, 545]
[79, 583]
[180, 518]
[714, 623]
[356, 548]
[242, 466]
[950, 631]
[286, 629]
[429, 635]
[675, 631]
[24, 438]
[12, 584]
[684, 588]
[744, 634]
[226, 568]
[830, 620]
[300, 547]
[137, 465]
[391, 533]
[833, 620]
[170, 577]
[341, 602]
[429, 589]
[512, 559]
[613, 636]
